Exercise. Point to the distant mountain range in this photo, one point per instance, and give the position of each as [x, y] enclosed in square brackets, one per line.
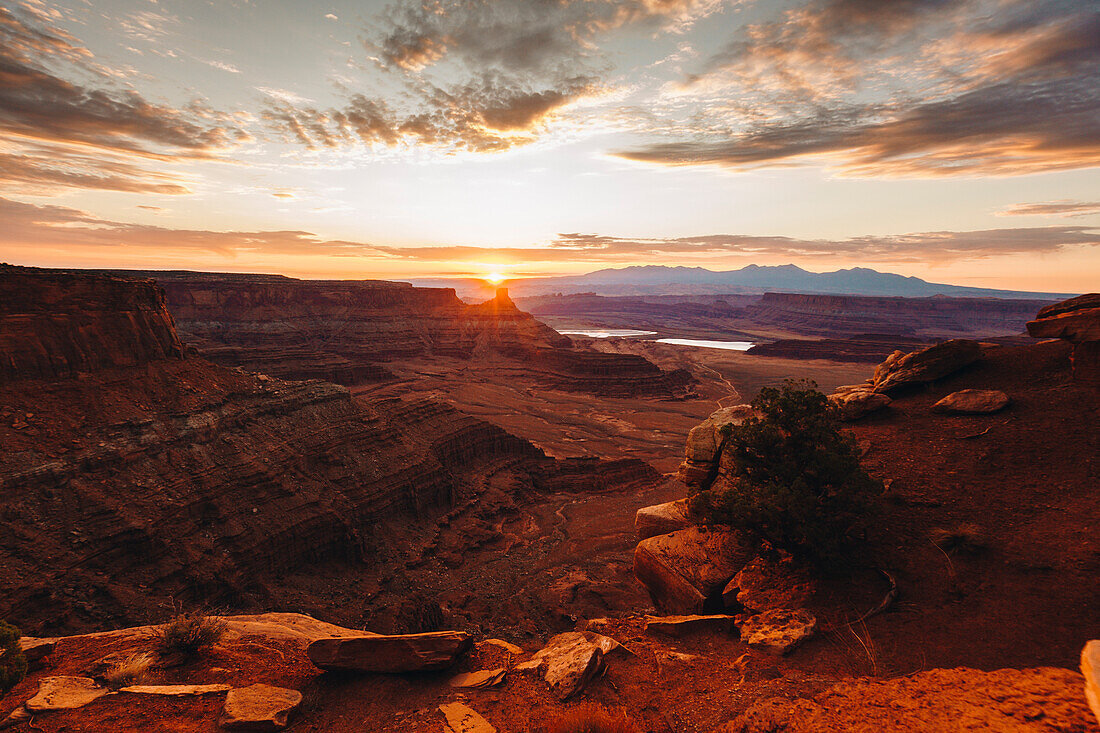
[662, 280]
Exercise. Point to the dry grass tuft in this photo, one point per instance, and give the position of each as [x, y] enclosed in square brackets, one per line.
[966, 537]
[190, 633]
[129, 671]
[591, 718]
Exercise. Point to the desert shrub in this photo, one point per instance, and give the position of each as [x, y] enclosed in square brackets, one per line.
[13, 663]
[128, 671]
[794, 480]
[189, 633]
[966, 537]
[591, 718]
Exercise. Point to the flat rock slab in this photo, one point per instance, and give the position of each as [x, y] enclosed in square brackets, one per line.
[778, 631]
[175, 690]
[481, 678]
[685, 625]
[398, 653]
[64, 693]
[463, 719]
[259, 708]
[1090, 667]
[972, 402]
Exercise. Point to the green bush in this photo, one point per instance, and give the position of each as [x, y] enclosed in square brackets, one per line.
[794, 479]
[13, 664]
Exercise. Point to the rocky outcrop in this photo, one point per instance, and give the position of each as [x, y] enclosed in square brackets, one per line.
[55, 325]
[685, 571]
[1077, 321]
[397, 653]
[927, 365]
[972, 402]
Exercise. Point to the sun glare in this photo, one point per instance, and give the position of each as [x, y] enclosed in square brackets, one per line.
[495, 278]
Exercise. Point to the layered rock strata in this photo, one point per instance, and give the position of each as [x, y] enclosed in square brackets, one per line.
[346, 331]
[132, 481]
[60, 325]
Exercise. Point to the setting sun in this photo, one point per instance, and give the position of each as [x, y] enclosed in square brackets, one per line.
[494, 277]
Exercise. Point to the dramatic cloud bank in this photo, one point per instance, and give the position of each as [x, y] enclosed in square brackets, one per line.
[59, 132]
[911, 87]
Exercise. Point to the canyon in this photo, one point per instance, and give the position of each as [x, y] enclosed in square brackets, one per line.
[142, 474]
[352, 332]
[393, 461]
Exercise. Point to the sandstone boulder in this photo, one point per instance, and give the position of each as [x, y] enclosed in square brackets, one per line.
[778, 631]
[683, 569]
[972, 402]
[658, 519]
[398, 653]
[926, 365]
[705, 441]
[856, 403]
[64, 693]
[686, 625]
[259, 708]
[568, 662]
[766, 585]
[1090, 668]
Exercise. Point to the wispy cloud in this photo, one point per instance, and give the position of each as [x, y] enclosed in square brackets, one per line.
[1063, 208]
[31, 226]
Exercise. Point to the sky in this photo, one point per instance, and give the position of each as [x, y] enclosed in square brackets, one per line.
[955, 140]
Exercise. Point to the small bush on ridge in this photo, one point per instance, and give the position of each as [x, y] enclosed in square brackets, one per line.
[190, 633]
[794, 478]
[13, 663]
